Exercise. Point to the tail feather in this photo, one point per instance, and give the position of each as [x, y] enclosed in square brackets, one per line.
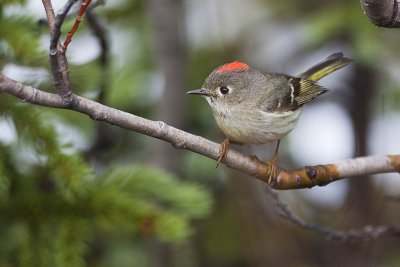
[325, 67]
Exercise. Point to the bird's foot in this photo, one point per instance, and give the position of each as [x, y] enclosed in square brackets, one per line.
[223, 151]
[273, 169]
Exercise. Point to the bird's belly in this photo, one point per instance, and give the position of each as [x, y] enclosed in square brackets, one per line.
[258, 128]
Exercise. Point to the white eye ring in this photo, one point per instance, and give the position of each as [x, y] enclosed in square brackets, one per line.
[224, 90]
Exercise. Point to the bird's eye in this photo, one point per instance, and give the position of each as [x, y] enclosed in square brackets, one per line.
[224, 90]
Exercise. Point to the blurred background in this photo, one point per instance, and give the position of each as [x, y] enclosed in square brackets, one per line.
[76, 192]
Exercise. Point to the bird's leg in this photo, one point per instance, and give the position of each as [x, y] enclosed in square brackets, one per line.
[223, 150]
[272, 167]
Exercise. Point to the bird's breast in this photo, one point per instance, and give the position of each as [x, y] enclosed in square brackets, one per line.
[259, 127]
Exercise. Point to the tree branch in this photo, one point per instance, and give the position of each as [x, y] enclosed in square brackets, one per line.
[382, 13]
[58, 60]
[305, 177]
[366, 233]
[59, 21]
[48, 7]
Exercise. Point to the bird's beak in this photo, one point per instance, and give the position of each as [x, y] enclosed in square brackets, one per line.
[198, 92]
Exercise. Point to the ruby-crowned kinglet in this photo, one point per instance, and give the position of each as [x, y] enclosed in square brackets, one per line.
[252, 107]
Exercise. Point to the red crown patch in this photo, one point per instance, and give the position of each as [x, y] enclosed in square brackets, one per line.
[233, 66]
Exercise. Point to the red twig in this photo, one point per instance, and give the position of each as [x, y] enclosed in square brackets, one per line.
[76, 25]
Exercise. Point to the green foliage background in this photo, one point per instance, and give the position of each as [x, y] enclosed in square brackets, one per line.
[54, 203]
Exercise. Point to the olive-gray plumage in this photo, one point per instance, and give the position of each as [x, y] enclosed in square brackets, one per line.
[252, 107]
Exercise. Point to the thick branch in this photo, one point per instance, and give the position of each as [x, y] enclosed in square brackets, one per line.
[382, 13]
[299, 178]
[58, 60]
[310, 176]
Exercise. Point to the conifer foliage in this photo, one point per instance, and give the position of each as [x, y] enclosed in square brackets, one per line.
[57, 204]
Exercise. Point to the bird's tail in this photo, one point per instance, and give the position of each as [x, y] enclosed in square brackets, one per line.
[325, 67]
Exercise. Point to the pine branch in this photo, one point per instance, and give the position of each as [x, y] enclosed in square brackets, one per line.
[305, 177]
[382, 13]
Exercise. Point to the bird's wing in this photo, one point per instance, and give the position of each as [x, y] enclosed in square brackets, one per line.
[290, 93]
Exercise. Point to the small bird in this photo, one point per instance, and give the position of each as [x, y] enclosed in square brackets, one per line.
[252, 107]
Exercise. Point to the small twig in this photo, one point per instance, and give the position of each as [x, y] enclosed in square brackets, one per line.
[365, 233]
[308, 176]
[76, 25]
[48, 7]
[61, 15]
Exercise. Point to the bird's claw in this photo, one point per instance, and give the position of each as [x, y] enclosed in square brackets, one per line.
[223, 151]
[272, 169]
